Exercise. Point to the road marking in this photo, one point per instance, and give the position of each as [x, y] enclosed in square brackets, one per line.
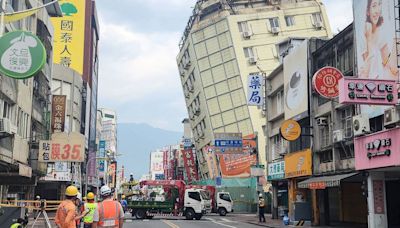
[221, 224]
[170, 224]
[226, 220]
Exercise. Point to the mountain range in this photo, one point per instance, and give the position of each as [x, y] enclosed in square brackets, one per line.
[136, 141]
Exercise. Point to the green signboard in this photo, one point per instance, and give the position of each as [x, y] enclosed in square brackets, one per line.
[22, 54]
[276, 170]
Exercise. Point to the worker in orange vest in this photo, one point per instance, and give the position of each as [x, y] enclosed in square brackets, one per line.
[109, 212]
[66, 214]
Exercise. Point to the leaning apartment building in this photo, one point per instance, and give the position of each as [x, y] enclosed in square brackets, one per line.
[226, 40]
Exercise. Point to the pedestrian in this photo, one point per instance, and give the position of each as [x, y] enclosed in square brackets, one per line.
[261, 208]
[124, 203]
[66, 214]
[36, 207]
[20, 223]
[90, 207]
[109, 212]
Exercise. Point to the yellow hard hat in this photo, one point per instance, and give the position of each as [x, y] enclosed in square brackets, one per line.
[90, 196]
[123, 196]
[71, 191]
[84, 198]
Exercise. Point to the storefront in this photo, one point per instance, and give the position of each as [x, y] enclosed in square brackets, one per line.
[378, 155]
[276, 175]
[298, 168]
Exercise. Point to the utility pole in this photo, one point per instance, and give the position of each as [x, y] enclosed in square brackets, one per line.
[3, 13]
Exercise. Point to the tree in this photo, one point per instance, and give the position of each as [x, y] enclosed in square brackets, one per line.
[68, 9]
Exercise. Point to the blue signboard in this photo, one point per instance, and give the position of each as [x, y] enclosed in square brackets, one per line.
[102, 148]
[159, 176]
[228, 143]
[218, 181]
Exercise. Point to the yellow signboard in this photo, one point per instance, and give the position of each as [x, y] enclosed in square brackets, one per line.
[298, 164]
[69, 35]
[290, 130]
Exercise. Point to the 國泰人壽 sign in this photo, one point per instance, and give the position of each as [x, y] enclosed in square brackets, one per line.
[22, 54]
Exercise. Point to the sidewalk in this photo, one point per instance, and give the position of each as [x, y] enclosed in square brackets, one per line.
[253, 219]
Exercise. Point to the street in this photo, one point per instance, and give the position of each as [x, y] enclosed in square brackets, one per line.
[208, 221]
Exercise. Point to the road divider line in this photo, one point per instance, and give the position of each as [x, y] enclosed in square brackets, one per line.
[170, 224]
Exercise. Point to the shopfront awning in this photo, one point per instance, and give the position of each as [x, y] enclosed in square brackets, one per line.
[324, 181]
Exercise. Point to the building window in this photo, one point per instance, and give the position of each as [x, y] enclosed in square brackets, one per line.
[274, 22]
[346, 152]
[325, 156]
[324, 136]
[346, 117]
[279, 102]
[277, 147]
[248, 52]
[243, 26]
[376, 124]
[289, 20]
[317, 18]
[7, 110]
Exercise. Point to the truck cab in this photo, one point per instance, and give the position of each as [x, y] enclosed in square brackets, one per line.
[224, 203]
[196, 203]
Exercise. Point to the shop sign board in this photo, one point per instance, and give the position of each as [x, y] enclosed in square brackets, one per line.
[379, 196]
[366, 91]
[22, 54]
[290, 130]
[58, 113]
[24, 170]
[228, 143]
[190, 165]
[254, 90]
[276, 170]
[317, 185]
[298, 164]
[326, 82]
[381, 149]
[55, 173]
[63, 148]
[102, 149]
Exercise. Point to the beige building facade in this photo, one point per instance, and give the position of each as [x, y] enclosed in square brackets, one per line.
[223, 43]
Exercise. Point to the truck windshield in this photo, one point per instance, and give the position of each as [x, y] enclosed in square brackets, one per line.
[204, 195]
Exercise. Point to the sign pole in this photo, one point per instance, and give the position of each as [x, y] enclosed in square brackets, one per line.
[3, 12]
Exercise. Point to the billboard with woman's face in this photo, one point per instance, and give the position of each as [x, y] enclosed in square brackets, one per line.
[374, 22]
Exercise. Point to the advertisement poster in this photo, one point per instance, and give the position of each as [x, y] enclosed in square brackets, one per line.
[374, 23]
[58, 106]
[62, 148]
[209, 154]
[112, 169]
[69, 35]
[295, 78]
[190, 165]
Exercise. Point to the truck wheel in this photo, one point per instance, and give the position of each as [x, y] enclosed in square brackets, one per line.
[189, 214]
[222, 211]
[198, 216]
[140, 214]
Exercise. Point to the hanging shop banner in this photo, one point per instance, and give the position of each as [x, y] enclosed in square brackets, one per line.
[62, 148]
[276, 170]
[190, 165]
[377, 150]
[326, 82]
[22, 54]
[365, 91]
[209, 154]
[379, 196]
[102, 149]
[156, 164]
[58, 113]
[290, 130]
[69, 35]
[56, 174]
[295, 82]
[236, 165]
[111, 173]
[101, 165]
[298, 164]
[228, 143]
[255, 90]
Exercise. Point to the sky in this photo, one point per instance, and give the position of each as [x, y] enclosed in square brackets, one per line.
[138, 48]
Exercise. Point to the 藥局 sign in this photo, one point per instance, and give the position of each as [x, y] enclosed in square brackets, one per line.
[254, 90]
[63, 148]
[276, 170]
[22, 54]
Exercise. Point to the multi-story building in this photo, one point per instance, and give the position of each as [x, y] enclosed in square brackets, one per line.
[24, 106]
[223, 43]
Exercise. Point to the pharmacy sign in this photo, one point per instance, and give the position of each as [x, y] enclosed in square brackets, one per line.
[22, 54]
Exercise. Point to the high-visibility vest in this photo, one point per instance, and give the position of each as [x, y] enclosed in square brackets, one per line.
[16, 225]
[89, 216]
[109, 213]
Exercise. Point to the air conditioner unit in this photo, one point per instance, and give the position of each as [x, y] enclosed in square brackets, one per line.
[275, 30]
[252, 60]
[246, 34]
[360, 125]
[322, 121]
[5, 126]
[391, 117]
[197, 110]
[338, 136]
[318, 24]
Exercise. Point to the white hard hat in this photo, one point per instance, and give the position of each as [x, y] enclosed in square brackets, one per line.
[105, 190]
[79, 196]
[261, 195]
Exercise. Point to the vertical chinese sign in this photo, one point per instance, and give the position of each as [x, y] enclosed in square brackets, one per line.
[254, 90]
[58, 113]
[190, 165]
[69, 34]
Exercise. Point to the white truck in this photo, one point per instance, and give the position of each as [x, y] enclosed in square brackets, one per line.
[223, 203]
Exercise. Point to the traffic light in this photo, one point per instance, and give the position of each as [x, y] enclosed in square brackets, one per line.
[364, 188]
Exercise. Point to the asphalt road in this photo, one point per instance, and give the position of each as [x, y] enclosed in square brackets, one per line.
[205, 222]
